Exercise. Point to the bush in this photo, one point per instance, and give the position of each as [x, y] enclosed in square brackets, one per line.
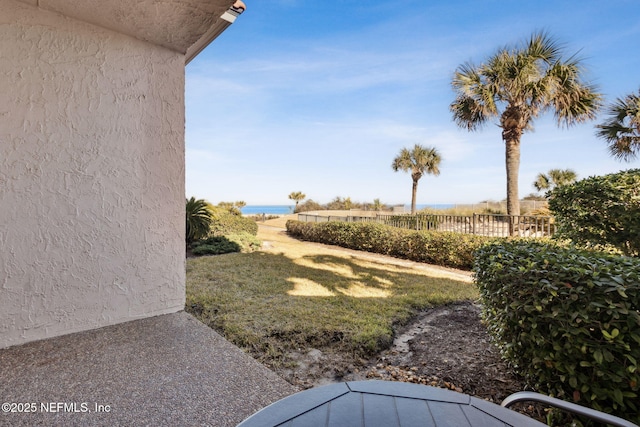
[309, 205]
[247, 242]
[600, 211]
[435, 247]
[566, 319]
[214, 246]
[224, 223]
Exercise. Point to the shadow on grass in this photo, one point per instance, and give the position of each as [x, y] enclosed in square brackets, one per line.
[269, 302]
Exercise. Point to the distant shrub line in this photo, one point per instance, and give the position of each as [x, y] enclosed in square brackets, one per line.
[434, 247]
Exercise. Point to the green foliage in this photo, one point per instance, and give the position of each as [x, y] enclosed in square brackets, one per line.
[247, 241]
[568, 320]
[224, 223]
[215, 245]
[418, 161]
[198, 219]
[339, 203]
[516, 85]
[621, 130]
[434, 247]
[233, 207]
[309, 205]
[297, 196]
[600, 211]
[554, 178]
[235, 242]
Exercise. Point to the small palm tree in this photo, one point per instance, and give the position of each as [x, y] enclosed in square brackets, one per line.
[554, 178]
[199, 217]
[622, 129]
[418, 161]
[297, 196]
[516, 85]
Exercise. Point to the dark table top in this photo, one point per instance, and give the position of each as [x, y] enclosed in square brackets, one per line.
[385, 404]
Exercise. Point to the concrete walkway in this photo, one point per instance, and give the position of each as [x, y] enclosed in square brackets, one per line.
[168, 370]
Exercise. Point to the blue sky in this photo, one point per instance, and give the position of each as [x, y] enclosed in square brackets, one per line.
[320, 96]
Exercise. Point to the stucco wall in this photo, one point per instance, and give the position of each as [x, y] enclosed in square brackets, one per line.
[91, 176]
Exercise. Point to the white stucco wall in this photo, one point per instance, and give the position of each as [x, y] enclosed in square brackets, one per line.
[91, 176]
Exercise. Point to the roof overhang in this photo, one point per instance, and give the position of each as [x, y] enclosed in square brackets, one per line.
[185, 26]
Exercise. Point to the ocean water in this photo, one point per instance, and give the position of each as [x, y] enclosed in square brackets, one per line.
[267, 209]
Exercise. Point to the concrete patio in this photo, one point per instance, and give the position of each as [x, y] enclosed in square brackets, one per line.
[169, 370]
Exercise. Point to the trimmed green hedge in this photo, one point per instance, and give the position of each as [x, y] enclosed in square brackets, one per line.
[600, 211]
[568, 320]
[434, 247]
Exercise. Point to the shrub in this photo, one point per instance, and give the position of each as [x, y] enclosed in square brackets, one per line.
[568, 320]
[198, 217]
[309, 205]
[215, 246]
[600, 210]
[247, 242]
[436, 247]
[224, 223]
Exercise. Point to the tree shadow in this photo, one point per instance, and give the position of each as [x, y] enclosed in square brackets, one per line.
[256, 298]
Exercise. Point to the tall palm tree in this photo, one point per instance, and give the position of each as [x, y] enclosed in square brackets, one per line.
[418, 161]
[622, 129]
[554, 178]
[516, 85]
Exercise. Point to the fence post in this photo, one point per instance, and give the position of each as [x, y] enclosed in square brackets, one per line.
[474, 223]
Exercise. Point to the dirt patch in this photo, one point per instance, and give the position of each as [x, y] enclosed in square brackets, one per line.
[445, 347]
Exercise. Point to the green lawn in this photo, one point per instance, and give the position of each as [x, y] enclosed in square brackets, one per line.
[299, 295]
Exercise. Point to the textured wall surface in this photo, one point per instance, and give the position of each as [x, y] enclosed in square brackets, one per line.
[91, 176]
[182, 21]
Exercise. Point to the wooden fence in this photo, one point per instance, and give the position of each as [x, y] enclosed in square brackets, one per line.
[481, 224]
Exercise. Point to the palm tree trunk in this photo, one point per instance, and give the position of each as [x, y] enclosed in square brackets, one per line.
[513, 167]
[414, 192]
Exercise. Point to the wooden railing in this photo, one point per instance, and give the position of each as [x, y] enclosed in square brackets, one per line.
[481, 224]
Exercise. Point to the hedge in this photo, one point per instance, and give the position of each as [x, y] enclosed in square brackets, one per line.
[568, 320]
[224, 223]
[600, 211]
[434, 247]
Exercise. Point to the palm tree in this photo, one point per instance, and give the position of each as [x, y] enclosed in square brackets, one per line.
[233, 207]
[517, 85]
[622, 130]
[199, 217]
[418, 161]
[297, 196]
[554, 178]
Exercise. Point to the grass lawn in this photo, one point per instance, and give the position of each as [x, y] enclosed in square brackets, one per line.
[294, 295]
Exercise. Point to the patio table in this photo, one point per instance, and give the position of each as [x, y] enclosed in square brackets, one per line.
[385, 404]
